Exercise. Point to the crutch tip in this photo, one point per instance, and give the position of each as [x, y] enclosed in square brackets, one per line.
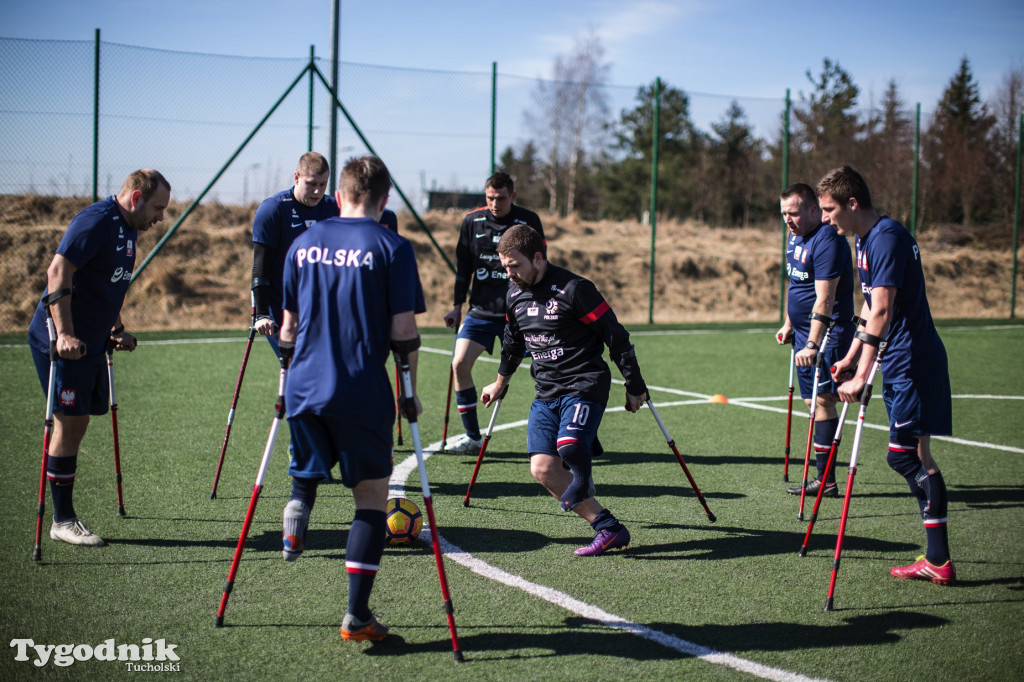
[465, 503]
[213, 495]
[785, 478]
[828, 604]
[219, 623]
[800, 516]
[121, 512]
[802, 552]
[36, 554]
[458, 656]
[712, 518]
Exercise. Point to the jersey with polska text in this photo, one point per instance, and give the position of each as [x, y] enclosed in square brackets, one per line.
[888, 256]
[478, 270]
[565, 323]
[102, 246]
[279, 220]
[344, 279]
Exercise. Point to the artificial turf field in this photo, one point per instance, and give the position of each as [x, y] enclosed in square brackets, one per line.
[687, 600]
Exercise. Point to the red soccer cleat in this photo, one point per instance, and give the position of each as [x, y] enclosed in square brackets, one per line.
[922, 570]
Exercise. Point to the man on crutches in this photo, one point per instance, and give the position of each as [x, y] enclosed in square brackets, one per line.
[820, 273]
[915, 385]
[86, 283]
[565, 323]
[351, 292]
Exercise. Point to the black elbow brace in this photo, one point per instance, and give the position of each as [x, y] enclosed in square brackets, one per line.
[404, 347]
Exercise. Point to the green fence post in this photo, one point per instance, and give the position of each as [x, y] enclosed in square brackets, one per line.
[654, 194]
[195, 202]
[312, 80]
[785, 184]
[1016, 217]
[494, 112]
[917, 165]
[336, 104]
[96, 120]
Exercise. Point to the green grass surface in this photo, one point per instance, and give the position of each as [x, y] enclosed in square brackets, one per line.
[736, 586]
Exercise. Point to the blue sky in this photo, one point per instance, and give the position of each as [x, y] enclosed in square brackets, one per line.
[748, 48]
[713, 49]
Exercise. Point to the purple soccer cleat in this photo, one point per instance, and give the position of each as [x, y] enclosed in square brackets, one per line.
[605, 540]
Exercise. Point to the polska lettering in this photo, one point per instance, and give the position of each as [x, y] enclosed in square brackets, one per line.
[341, 258]
[64, 655]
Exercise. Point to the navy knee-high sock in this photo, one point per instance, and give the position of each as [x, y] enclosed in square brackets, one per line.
[904, 461]
[304, 489]
[605, 520]
[824, 432]
[466, 401]
[60, 472]
[934, 517]
[363, 551]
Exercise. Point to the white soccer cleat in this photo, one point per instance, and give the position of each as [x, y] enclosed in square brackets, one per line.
[464, 445]
[74, 532]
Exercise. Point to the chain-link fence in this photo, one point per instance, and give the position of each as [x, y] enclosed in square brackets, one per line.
[77, 117]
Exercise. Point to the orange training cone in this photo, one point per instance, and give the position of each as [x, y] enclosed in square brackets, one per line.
[719, 398]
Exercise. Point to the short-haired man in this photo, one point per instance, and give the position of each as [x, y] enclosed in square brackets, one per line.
[279, 220]
[820, 274]
[915, 370]
[86, 283]
[479, 274]
[351, 293]
[564, 323]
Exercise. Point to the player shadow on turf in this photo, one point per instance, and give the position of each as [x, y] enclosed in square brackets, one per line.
[495, 488]
[579, 636]
[746, 542]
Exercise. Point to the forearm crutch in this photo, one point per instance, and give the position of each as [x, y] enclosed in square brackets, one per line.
[113, 427]
[37, 552]
[409, 405]
[234, 402]
[789, 411]
[828, 467]
[483, 446]
[829, 324]
[448, 402]
[398, 397]
[865, 396]
[675, 450]
[279, 416]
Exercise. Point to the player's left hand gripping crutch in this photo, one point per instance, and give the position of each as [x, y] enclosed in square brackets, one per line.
[483, 445]
[113, 426]
[789, 408]
[675, 450]
[865, 396]
[829, 324]
[279, 415]
[402, 350]
[234, 401]
[37, 552]
[828, 467]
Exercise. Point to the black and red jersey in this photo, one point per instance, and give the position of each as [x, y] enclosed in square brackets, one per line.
[478, 271]
[565, 323]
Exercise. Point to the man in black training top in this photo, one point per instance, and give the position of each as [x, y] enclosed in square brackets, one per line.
[479, 274]
[564, 323]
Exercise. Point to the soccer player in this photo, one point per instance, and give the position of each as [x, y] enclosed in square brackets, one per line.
[480, 274]
[351, 293]
[564, 323]
[820, 274]
[915, 372]
[86, 283]
[279, 220]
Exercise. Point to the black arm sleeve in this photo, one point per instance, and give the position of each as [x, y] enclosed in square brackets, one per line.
[463, 265]
[513, 346]
[261, 255]
[615, 336]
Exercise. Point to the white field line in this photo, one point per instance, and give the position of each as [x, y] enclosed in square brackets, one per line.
[406, 468]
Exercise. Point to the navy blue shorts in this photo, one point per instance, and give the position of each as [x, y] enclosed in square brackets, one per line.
[923, 407]
[481, 331]
[82, 386]
[555, 422]
[805, 375]
[319, 442]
